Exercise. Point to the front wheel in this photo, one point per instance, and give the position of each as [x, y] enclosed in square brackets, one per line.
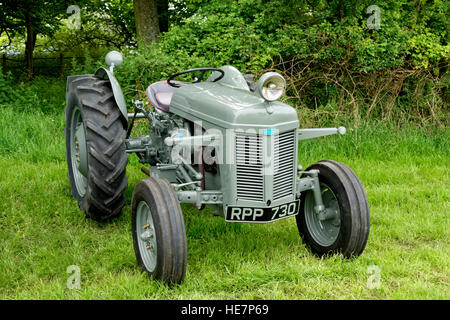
[345, 229]
[159, 235]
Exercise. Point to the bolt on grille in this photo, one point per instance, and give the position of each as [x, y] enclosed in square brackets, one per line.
[249, 166]
[284, 148]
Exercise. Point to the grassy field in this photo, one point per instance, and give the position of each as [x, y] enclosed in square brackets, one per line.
[405, 172]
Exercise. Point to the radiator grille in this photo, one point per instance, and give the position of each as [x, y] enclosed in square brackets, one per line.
[283, 165]
[249, 166]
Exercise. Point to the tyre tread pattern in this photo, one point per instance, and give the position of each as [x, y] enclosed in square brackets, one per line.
[359, 215]
[105, 139]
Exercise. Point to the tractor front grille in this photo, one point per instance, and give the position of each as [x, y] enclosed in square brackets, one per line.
[283, 180]
[249, 167]
[251, 175]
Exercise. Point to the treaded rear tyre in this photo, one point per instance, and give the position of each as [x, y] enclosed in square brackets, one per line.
[100, 190]
[158, 231]
[353, 218]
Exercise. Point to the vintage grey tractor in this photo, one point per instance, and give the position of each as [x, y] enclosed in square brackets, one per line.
[216, 139]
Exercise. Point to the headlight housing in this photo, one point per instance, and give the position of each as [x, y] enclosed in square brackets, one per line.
[271, 86]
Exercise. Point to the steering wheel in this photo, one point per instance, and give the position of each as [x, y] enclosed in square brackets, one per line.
[200, 78]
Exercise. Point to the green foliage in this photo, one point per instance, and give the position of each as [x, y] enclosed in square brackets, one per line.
[104, 24]
[426, 49]
[334, 65]
[332, 61]
[42, 15]
[6, 86]
[88, 65]
[42, 95]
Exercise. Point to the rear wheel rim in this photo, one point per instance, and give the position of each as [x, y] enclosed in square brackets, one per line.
[146, 236]
[77, 125]
[324, 232]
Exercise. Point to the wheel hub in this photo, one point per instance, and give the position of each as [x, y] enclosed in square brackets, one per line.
[78, 152]
[323, 228]
[81, 152]
[146, 239]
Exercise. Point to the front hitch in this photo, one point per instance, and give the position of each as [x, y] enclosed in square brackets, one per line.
[311, 182]
[304, 134]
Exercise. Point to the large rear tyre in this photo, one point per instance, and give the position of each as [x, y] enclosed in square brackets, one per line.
[95, 148]
[346, 228]
[159, 235]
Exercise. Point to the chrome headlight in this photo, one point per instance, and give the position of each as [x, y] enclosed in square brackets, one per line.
[271, 86]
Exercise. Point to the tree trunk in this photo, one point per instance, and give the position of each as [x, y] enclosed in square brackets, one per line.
[29, 46]
[146, 16]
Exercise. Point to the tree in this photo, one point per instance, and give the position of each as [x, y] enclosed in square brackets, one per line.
[34, 17]
[105, 24]
[147, 23]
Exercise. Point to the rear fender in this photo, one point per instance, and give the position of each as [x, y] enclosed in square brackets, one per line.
[105, 74]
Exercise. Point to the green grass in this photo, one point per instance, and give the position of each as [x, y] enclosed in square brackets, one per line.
[405, 172]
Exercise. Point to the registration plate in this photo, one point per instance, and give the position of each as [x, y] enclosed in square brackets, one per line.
[261, 215]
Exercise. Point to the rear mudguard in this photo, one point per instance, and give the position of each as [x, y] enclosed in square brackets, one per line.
[118, 94]
[105, 74]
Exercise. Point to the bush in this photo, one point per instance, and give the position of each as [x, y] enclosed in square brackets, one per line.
[42, 95]
[334, 65]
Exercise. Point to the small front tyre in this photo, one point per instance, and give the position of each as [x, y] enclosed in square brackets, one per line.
[159, 235]
[345, 229]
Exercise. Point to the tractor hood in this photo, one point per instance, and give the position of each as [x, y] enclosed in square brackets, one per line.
[230, 107]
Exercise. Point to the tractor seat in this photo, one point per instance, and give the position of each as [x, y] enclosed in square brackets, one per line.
[160, 94]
